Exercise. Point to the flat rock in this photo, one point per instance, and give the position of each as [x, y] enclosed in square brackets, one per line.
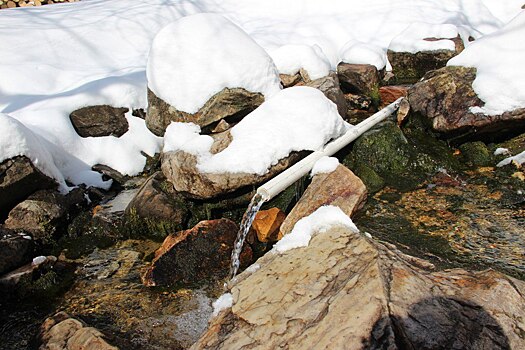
[345, 291]
[227, 104]
[101, 120]
[389, 94]
[361, 79]
[409, 67]
[193, 255]
[340, 188]
[18, 179]
[329, 86]
[445, 97]
[15, 250]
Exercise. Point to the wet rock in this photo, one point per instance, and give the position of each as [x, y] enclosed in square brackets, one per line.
[340, 188]
[180, 168]
[40, 215]
[193, 255]
[445, 97]
[329, 86]
[111, 173]
[361, 79]
[409, 67]
[389, 94]
[18, 179]
[266, 224]
[359, 102]
[476, 154]
[101, 120]
[63, 332]
[15, 250]
[353, 292]
[230, 104]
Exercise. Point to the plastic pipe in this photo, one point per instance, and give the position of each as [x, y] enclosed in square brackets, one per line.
[279, 183]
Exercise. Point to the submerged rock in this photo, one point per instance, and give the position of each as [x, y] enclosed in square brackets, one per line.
[102, 120]
[231, 104]
[345, 291]
[193, 255]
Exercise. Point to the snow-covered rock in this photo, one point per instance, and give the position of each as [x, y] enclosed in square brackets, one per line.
[290, 59]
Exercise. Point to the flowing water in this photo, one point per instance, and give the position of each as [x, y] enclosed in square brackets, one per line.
[246, 223]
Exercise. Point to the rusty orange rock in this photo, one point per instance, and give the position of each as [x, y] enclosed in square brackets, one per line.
[267, 223]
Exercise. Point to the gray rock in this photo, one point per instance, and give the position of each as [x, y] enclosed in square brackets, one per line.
[329, 86]
[101, 120]
[15, 250]
[228, 104]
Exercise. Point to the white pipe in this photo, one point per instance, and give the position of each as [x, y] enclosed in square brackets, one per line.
[279, 183]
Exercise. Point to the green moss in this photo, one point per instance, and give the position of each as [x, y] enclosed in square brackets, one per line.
[134, 226]
[375, 97]
[370, 178]
[476, 154]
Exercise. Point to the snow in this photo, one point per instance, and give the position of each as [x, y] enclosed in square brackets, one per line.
[59, 58]
[223, 302]
[499, 151]
[518, 158]
[498, 58]
[197, 56]
[412, 38]
[324, 165]
[38, 260]
[358, 52]
[319, 221]
[289, 59]
[295, 119]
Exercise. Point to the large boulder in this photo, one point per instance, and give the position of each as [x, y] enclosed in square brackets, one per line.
[329, 86]
[18, 179]
[340, 188]
[100, 120]
[345, 291]
[202, 252]
[230, 104]
[15, 250]
[446, 97]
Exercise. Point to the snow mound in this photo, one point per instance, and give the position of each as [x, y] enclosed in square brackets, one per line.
[289, 59]
[319, 221]
[412, 38]
[197, 56]
[324, 165]
[518, 158]
[223, 302]
[498, 58]
[296, 119]
[357, 52]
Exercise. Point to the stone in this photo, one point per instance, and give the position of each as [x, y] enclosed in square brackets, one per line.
[18, 179]
[266, 224]
[329, 86]
[40, 215]
[62, 332]
[360, 79]
[340, 188]
[409, 67]
[111, 173]
[230, 104]
[389, 94]
[402, 111]
[100, 120]
[180, 168]
[288, 80]
[15, 250]
[193, 255]
[345, 291]
[445, 97]
[476, 154]
[22, 280]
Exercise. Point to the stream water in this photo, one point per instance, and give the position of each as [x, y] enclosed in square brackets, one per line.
[247, 219]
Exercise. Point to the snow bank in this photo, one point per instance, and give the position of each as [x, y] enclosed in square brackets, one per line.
[363, 53]
[319, 221]
[411, 39]
[196, 57]
[289, 59]
[296, 119]
[518, 158]
[498, 58]
[324, 165]
[223, 302]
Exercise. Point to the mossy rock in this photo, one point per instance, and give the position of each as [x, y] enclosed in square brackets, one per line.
[370, 178]
[476, 154]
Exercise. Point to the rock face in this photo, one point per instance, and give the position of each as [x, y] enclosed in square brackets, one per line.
[329, 86]
[63, 332]
[228, 104]
[445, 97]
[266, 224]
[38, 215]
[101, 120]
[409, 67]
[15, 250]
[340, 188]
[180, 168]
[354, 293]
[195, 254]
[362, 79]
[18, 179]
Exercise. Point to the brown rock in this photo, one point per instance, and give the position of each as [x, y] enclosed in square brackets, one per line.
[231, 104]
[340, 188]
[15, 250]
[329, 86]
[345, 291]
[289, 80]
[389, 94]
[193, 255]
[445, 97]
[101, 120]
[18, 179]
[402, 111]
[267, 223]
[361, 79]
